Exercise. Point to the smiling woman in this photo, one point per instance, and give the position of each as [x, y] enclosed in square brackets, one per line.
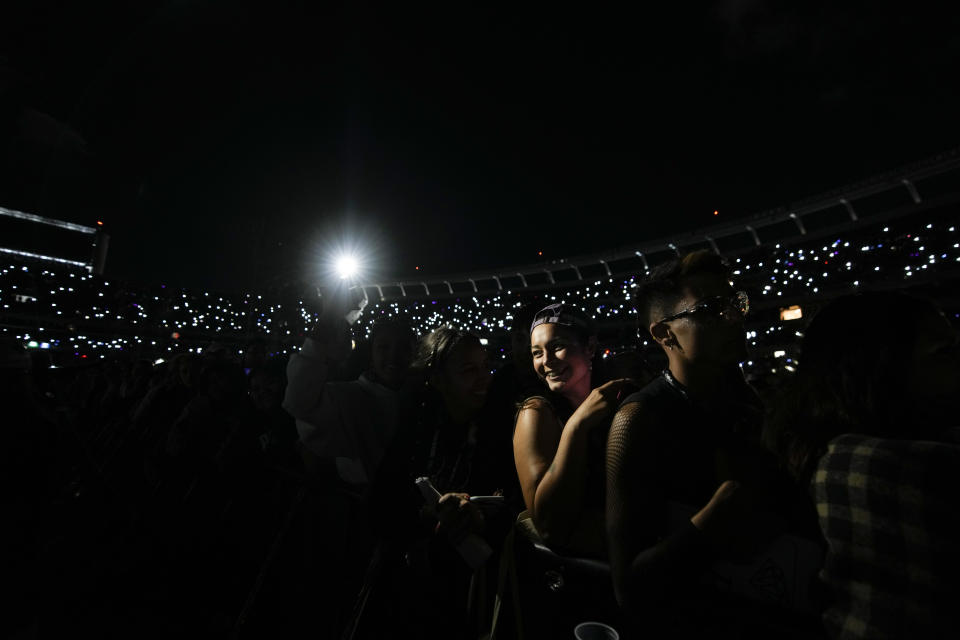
[558, 441]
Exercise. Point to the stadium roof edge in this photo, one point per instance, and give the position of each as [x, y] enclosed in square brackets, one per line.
[31, 217]
[900, 178]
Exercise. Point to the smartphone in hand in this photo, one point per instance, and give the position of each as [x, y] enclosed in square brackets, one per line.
[488, 504]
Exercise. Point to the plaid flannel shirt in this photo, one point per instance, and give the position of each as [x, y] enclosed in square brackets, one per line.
[890, 513]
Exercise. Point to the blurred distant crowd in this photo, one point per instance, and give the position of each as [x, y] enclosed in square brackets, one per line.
[372, 484]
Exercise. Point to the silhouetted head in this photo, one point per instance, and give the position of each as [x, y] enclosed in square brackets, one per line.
[881, 364]
[255, 353]
[456, 366]
[223, 381]
[690, 308]
[184, 370]
[392, 343]
[266, 385]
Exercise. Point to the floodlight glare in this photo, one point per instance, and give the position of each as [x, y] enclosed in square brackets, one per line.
[346, 266]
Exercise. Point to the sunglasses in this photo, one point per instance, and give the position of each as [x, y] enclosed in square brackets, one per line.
[716, 306]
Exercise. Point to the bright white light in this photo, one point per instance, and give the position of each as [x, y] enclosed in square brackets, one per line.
[346, 266]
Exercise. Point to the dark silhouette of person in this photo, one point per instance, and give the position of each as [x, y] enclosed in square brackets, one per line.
[447, 436]
[688, 482]
[867, 429]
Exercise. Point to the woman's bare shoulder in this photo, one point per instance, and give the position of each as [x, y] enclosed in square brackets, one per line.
[536, 412]
[536, 403]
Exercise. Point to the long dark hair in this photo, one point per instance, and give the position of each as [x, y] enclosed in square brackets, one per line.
[433, 351]
[435, 348]
[853, 377]
[434, 452]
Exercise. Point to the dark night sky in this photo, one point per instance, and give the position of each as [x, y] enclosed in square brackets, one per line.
[229, 145]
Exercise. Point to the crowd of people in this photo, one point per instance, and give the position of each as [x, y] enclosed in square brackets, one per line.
[374, 484]
[73, 315]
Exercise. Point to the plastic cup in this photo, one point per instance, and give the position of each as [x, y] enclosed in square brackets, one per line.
[595, 631]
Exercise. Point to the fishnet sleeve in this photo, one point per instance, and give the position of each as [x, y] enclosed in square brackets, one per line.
[628, 501]
[648, 563]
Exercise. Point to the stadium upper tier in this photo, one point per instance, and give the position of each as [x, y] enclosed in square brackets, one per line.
[82, 314]
[905, 235]
[923, 186]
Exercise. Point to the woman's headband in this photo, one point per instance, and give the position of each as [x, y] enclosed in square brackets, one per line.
[564, 315]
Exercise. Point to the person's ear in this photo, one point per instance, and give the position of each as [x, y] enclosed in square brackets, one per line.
[662, 335]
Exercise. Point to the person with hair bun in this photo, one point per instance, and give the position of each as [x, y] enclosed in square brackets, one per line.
[449, 435]
[559, 436]
[445, 416]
